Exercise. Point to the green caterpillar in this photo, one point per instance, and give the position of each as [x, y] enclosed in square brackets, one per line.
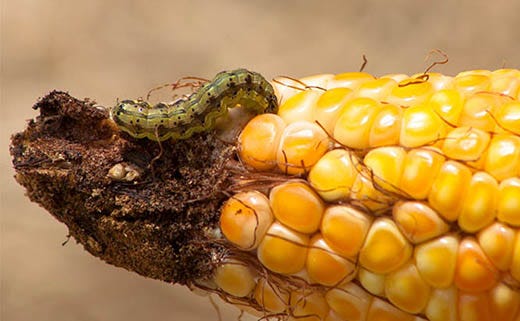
[198, 112]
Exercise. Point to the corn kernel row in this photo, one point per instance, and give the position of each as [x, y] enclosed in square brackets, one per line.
[407, 206]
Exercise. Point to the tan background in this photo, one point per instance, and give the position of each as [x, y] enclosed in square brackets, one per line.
[118, 49]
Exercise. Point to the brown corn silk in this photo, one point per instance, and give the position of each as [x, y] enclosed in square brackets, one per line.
[395, 198]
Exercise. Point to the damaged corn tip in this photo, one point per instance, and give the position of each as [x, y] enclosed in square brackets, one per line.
[390, 198]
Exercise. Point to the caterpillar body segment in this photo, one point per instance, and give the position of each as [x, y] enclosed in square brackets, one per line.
[199, 111]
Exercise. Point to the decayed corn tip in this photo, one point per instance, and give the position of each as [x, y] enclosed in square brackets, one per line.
[401, 200]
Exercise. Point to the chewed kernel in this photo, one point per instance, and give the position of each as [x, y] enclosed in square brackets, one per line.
[326, 267]
[420, 169]
[301, 146]
[344, 228]
[386, 126]
[245, 218]
[406, 289]
[418, 222]
[465, 143]
[329, 105]
[259, 140]
[349, 301]
[421, 126]
[296, 205]
[447, 104]
[436, 260]
[442, 305]
[503, 157]
[474, 271]
[497, 241]
[385, 248]
[334, 174]
[449, 189]
[509, 201]
[355, 121]
[235, 278]
[283, 250]
[479, 208]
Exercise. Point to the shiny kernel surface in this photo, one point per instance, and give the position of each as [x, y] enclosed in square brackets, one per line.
[419, 193]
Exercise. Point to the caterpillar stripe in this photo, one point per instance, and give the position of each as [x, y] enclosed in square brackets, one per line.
[198, 112]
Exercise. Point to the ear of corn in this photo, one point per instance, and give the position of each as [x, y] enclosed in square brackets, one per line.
[400, 200]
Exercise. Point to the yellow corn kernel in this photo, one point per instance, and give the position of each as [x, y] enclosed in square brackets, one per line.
[349, 301]
[497, 241]
[386, 166]
[515, 264]
[420, 169]
[351, 80]
[326, 267]
[474, 271]
[508, 208]
[372, 282]
[366, 195]
[410, 92]
[508, 117]
[296, 205]
[503, 157]
[505, 302]
[465, 143]
[235, 278]
[334, 174]
[344, 228]
[478, 209]
[506, 85]
[442, 305]
[438, 80]
[270, 297]
[418, 222]
[328, 107]
[308, 306]
[406, 289]
[436, 260]
[299, 107]
[479, 109]
[421, 126]
[474, 307]
[245, 218]
[396, 77]
[386, 126]
[259, 140]
[377, 89]
[385, 248]
[301, 146]
[447, 104]
[449, 190]
[283, 250]
[355, 121]
[382, 311]
[333, 316]
[469, 83]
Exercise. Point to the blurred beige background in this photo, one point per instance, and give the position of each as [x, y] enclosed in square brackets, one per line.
[119, 49]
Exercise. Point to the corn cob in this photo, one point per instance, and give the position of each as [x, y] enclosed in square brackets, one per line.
[397, 198]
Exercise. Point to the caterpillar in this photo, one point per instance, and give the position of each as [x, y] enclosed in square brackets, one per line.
[199, 111]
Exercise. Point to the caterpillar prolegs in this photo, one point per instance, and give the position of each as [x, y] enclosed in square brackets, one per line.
[199, 111]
